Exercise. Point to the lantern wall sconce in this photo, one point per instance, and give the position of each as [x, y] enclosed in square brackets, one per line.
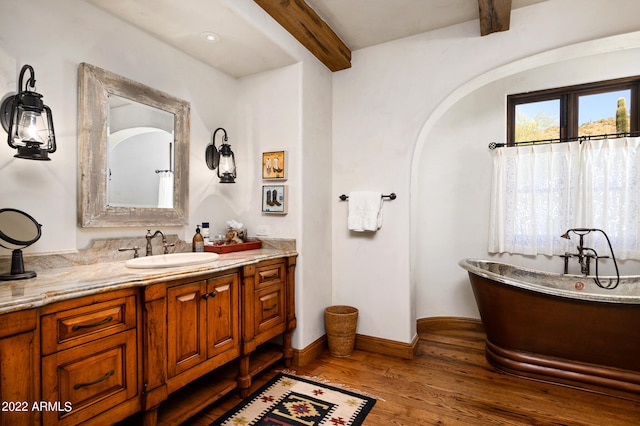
[223, 159]
[28, 121]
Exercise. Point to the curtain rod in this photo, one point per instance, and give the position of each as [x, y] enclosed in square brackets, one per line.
[494, 145]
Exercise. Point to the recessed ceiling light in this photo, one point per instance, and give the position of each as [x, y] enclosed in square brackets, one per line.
[210, 37]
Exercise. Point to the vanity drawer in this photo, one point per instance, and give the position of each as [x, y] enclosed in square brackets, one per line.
[90, 379]
[269, 308]
[68, 328]
[270, 273]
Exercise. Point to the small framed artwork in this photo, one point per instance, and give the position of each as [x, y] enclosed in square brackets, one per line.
[274, 165]
[274, 199]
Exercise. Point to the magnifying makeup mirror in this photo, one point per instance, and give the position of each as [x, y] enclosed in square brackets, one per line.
[17, 231]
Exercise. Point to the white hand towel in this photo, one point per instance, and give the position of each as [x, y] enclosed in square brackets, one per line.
[365, 211]
[165, 189]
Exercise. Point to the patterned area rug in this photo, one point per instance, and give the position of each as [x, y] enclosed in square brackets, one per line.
[288, 400]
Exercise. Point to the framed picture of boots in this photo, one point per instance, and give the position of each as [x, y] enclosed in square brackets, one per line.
[274, 199]
[274, 165]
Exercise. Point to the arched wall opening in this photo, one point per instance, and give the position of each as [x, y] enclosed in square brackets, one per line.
[451, 166]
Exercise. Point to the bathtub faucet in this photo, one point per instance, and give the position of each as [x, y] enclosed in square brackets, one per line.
[585, 254]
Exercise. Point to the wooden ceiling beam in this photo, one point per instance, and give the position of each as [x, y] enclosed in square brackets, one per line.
[310, 30]
[495, 16]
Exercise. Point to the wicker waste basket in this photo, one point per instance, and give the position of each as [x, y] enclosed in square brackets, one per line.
[340, 323]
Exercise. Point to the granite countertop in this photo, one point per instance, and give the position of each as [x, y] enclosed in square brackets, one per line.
[56, 284]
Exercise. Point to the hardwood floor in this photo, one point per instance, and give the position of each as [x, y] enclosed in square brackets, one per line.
[449, 382]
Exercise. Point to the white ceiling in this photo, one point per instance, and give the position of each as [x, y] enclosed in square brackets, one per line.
[364, 23]
[243, 50]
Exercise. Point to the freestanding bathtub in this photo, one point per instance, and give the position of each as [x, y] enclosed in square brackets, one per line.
[560, 328]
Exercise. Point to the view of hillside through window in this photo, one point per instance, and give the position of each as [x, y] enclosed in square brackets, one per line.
[538, 121]
[596, 116]
[597, 113]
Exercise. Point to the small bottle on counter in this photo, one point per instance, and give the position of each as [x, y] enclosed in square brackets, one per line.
[197, 243]
[205, 232]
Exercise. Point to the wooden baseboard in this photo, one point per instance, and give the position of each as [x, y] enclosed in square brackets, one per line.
[449, 323]
[314, 350]
[390, 347]
[363, 343]
[387, 347]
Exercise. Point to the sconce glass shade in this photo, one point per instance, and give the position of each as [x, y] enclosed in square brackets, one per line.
[28, 122]
[223, 160]
[227, 166]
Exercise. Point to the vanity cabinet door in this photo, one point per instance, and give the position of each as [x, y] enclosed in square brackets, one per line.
[269, 300]
[186, 326]
[223, 317]
[19, 369]
[202, 322]
[269, 308]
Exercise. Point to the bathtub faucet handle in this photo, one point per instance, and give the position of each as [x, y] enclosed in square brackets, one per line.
[566, 256]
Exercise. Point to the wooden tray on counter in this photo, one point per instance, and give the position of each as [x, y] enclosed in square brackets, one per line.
[228, 248]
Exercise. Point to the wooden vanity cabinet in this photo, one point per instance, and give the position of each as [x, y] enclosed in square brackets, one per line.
[195, 327]
[202, 323]
[264, 308]
[192, 328]
[268, 311]
[90, 359]
[161, 351]
[19, 368]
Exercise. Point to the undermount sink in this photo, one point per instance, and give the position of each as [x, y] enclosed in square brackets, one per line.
[171, 260]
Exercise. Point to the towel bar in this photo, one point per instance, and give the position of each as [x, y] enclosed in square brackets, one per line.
[391, 196]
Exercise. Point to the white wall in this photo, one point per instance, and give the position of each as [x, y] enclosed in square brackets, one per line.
[391, 111]
[61, 35]
[315, 198]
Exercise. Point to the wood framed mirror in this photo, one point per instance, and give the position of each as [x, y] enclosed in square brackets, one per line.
[133, 153]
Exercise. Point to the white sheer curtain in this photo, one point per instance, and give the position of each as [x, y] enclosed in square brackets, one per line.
[533, 198]
[538, 192]
[610, 194]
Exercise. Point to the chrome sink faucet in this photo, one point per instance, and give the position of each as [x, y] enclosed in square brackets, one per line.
[150, 237]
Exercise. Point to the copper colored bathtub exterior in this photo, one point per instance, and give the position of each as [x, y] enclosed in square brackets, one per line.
[560, 329]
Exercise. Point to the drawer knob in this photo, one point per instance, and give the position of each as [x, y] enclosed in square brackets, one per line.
[208, 295]
[94, 382]
[95, 324]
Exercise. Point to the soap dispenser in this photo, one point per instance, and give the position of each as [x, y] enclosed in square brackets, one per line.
[197, 243]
